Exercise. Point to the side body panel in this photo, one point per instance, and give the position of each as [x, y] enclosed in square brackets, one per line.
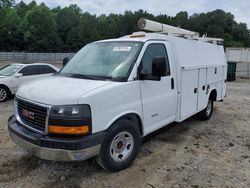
[189, 92]
[198, 64]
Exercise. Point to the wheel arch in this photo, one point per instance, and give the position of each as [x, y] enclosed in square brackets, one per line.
[8, 89]
[131, 116]
[213, 94]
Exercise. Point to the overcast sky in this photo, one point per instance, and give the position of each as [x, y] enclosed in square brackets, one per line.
[240, 8]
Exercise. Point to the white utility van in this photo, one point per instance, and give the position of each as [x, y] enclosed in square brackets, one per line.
[114, 92]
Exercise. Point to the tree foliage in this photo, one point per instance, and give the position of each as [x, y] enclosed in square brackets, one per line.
[6, 3]
[37, 28]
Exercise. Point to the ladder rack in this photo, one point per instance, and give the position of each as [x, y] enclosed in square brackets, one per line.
[149, 25]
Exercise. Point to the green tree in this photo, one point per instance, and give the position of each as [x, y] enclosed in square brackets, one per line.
[67, 19]
[21, 9]
[181, 19]
[8, 27]
[241, 33]
[40, 30]
[32, 27]
[7, 3]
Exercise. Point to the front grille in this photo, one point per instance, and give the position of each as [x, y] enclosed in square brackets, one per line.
[32, 115]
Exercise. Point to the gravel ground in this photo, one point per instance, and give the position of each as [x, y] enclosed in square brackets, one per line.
[194, 153]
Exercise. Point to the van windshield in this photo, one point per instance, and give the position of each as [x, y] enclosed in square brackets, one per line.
[103, 60]
[9, 70]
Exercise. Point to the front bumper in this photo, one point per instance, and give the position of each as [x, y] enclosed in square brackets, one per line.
[55, 148]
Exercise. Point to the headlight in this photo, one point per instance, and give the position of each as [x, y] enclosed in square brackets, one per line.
[71, 111]
[70, 119]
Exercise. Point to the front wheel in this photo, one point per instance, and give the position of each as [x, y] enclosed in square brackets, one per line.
[120, 147]
[208, 111]
[3, 94]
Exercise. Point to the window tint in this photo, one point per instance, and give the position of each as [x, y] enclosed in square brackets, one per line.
[30, 70]
[37, 69]
[153, 51]
[45, 69]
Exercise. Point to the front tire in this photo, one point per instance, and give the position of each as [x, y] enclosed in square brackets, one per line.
[4, 93]
[120, 147]
[208, 111]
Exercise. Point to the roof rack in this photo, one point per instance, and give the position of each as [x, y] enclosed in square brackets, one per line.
[149, 25]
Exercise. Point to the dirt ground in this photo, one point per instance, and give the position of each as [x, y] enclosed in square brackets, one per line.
[214, 153]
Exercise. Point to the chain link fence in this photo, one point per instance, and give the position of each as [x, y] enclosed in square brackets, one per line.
[23, 57]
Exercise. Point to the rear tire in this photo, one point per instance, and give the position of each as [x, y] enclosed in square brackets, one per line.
[4, 93]
[208, 111]
[120, 147]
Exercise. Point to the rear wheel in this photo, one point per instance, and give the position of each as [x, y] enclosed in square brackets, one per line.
[120, 147]
[4, 93]
[208, 111]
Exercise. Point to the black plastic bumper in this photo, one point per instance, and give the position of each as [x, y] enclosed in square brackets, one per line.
[52, 141]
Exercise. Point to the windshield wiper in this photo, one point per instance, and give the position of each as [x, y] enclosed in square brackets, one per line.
[83, 76]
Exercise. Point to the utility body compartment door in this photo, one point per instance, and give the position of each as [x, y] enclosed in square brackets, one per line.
[202, 89]
[159, 98]
[189, 92]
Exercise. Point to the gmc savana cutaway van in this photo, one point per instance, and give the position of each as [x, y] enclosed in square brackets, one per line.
[114, 92]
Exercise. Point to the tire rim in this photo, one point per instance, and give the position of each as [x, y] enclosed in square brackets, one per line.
[209, 108]
[3, 94]
[121, 146]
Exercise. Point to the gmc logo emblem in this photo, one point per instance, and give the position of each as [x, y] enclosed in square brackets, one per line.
[28, 114]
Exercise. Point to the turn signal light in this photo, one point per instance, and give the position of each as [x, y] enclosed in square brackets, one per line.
[74, 130]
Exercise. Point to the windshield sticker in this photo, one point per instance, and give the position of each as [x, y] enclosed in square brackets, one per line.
[122, 49]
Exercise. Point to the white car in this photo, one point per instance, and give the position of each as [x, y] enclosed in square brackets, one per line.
[12, 76]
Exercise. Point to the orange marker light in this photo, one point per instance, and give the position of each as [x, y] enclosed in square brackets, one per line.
[136, 36]
[69, 129]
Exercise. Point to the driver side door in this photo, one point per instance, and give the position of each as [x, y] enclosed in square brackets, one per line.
[159, 97]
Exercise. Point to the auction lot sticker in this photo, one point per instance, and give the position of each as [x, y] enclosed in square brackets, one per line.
[122, 49]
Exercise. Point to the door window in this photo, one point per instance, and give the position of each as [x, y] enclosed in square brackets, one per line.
[30, 70]
[45, 69]
[153, 51]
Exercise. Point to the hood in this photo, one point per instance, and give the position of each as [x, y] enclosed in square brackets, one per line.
[57, 90]
[2, 76]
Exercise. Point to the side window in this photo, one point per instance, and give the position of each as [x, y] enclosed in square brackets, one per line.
[29, 70]
[153, 51]
[45, 69]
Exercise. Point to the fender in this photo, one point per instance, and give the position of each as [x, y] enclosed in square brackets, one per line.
[118, 116]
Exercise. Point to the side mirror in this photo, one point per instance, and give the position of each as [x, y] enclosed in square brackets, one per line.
[159, 67]
[17, 75]
[65, 61]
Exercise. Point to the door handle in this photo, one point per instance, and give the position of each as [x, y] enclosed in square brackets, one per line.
[172, 83]
[195, 90]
